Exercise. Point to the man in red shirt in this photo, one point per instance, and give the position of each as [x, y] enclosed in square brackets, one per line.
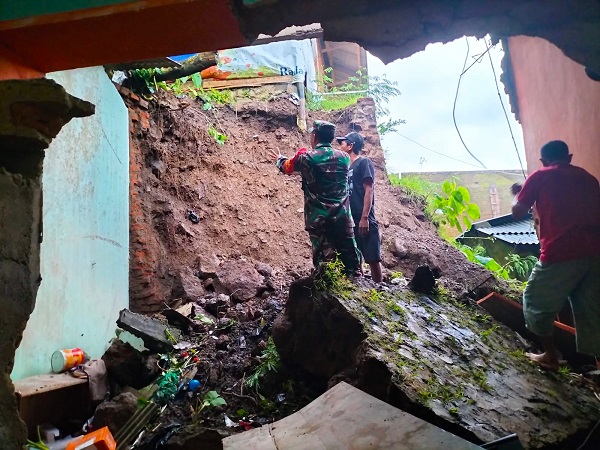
[567, 202]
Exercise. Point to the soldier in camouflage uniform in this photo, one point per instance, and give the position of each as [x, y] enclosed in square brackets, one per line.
[327, 215]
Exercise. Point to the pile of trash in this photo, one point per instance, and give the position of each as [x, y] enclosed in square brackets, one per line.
[197, 373]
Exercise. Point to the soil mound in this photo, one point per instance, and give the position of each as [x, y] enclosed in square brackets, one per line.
[197, 204]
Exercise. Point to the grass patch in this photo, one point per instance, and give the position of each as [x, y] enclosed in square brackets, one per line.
[331, 277]
[416, 188]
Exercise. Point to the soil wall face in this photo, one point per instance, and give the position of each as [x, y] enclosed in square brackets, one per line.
[241, 207]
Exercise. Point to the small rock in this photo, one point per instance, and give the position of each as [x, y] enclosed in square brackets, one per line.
[223, 322]
[115, 413]
[188, 286]
[398, 249]
[273, 304]
[128, 366]
[195, 436]
[256, 351]
[158, 168]
[216, 305]
[206, 264]
[223, 298]
[264, 269]
[423, 281]
[239, 279]
[223, 342]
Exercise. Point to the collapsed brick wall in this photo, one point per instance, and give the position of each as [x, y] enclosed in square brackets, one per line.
[145, 291]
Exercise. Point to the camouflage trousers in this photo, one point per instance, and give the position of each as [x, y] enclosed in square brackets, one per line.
[335, 240]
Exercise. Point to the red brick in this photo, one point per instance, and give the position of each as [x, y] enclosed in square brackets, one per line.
[124, 91]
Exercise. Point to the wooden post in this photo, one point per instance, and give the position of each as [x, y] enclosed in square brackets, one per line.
[302, 106]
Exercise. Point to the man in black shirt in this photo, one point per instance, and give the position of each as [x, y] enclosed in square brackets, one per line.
[361, 177]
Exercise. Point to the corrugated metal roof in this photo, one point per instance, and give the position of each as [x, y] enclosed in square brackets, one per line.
[519, 232]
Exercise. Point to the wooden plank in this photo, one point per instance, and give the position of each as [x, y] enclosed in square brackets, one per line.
[245, 82]
[45, 383]
[345, 417]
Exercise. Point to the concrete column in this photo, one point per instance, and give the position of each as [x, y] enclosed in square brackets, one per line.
[20, 234]
[31, 115]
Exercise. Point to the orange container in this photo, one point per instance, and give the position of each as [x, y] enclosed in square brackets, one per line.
[98, 440]
[63, 360]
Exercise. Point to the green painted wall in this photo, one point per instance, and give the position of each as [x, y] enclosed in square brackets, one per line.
[11, 10]
[85, 250]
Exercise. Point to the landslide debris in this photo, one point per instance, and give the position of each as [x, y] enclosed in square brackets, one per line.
[435, 357]
[215, 226]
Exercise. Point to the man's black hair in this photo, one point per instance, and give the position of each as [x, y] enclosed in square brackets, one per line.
[555, 151]
[325, 134]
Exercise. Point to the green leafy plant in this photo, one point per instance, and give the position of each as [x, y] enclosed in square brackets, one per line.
[520, 266]
[433, 389]
[360, 85]
[389, 126]
[211, 398]
[270, 362]
[39, 444]
[331, 277]
[518, 353]
[204, 319]
[480, 378]
[454, 206]
[219, 137]
[396, 274]
[374, 296]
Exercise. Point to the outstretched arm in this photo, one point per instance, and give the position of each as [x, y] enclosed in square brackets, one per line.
[287, 165]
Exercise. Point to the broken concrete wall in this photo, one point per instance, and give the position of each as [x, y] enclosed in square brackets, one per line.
[392, 30]
[20, 229]
[85, 250]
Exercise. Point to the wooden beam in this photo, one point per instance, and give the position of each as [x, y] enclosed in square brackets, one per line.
[245, 82]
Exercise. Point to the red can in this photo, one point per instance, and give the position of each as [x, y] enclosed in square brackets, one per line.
[63, 360]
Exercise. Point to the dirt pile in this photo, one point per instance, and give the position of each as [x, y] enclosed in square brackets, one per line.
[197, 204]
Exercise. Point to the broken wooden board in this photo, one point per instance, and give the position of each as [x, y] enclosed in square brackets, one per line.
[345, 417]
[441, 360]
[246, 82]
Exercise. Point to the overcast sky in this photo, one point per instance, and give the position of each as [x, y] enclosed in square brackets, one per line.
[428, 82]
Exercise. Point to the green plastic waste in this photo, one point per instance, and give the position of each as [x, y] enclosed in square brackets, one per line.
[167, 387]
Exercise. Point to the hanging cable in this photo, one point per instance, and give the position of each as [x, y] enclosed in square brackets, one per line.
[505, 113]
[478, 59]
[434, 151]
[454, 107]
[450, 157]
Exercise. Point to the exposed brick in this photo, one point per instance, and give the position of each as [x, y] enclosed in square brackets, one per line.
[124, 91]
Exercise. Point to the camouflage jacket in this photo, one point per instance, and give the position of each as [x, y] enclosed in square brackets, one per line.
[324, 182]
